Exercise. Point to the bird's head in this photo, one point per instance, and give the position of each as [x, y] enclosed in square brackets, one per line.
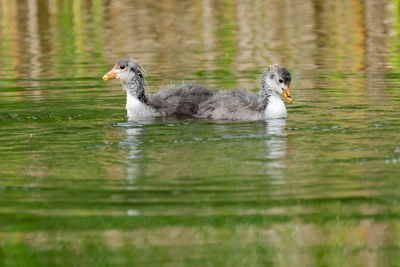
[278, 79]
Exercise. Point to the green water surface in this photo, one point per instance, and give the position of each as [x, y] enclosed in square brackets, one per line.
[82, 186]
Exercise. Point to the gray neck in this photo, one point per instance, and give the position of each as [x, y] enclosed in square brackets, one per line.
[136, 88]
[266, 90]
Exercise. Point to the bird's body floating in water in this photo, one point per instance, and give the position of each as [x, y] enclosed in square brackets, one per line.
[245, 105]
[180, 100]
[195, 100]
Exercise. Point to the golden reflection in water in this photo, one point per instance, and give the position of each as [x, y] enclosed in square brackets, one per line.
[208, 24]
[78, 33]
[311, 38]
[173, 40]
[236, 35]
[9, 32]
[376, 23]
[34, 46]
[341, 34]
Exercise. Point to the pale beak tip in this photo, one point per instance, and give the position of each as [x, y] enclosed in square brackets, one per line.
[110, 75]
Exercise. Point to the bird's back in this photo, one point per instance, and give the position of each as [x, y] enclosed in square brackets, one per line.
[183, 100]
[233, 105]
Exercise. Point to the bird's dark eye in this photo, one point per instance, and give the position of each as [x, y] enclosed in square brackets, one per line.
[280, 80]
[122, 67]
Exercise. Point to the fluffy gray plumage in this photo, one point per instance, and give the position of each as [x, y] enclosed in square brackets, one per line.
[182, 100]
[132, 78]
[233, 105]
[195, 100]
[173, 101]
[245, 105]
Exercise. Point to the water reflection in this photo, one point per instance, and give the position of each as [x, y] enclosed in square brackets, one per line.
[306, 36]
[33, 42]
[132, 143]
[190, 192]
[276, 149]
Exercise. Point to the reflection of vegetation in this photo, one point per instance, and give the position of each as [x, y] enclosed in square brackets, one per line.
[394, 55]
[5, 35]
[342, 37]
[395, 39]
[202, 193]
[68, 40]
[227, 45]
[97, 34]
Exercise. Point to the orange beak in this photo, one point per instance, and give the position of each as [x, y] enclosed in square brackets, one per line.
[286, 93]
[110, 75]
